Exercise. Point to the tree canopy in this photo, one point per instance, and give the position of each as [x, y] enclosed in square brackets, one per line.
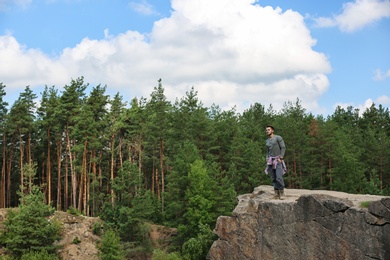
[181, 163]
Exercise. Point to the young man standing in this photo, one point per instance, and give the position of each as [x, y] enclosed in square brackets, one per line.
[275, 164]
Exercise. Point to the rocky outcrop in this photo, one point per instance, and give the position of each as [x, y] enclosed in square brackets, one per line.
[305, 225]
[78, 239]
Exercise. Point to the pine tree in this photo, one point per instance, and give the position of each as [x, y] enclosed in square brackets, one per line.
[29, 229]
[71, 99]
[3, 142]
[110, 247]
[156, 131]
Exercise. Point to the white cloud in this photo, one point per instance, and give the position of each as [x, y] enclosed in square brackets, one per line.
[356, 15]
[381, 100]
[143, 7]
[7, 4]
[233, 52]
[20, 66]
[379, 76]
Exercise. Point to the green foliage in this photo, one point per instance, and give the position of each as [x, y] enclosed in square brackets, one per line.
[110, 247]
[159, 254]
[28, 228]
[76, 241]
[97, 228]
[121, 218]
[372, 185]
[73, 211]
[38, 255]
[197, 247]
[207, 196]
[180, 164]
[364, 204]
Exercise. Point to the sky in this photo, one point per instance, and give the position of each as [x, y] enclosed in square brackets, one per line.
[234, 53]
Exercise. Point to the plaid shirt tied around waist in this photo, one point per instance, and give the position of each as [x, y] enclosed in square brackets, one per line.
[274, 162]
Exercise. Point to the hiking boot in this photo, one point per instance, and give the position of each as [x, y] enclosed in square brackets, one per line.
[281, 194]
[276, 195]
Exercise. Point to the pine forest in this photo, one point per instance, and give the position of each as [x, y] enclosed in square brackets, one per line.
[178, 164]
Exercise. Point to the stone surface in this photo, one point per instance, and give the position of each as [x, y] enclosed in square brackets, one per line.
[78, 241]
[307, 224]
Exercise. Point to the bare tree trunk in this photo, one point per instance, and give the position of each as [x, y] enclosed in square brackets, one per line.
[112, 168]
[81, 186]
[120, 152]
[153, 179]
[162, 173]
[21, 159]
[140, 159]
[3, 173]
[66, 191]
[59, 155]
[94, 176]
[8, 204]
[157, 184]
[48, 168]
[72, 173]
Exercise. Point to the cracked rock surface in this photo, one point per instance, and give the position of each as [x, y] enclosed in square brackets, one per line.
[306, 224]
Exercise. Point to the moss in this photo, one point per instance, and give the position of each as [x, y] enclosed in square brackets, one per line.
[364, 204]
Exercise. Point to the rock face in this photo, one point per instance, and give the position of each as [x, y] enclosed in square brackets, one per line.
[78, 241]
[305, 225]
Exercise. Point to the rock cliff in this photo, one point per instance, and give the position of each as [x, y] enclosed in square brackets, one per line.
[307, 224]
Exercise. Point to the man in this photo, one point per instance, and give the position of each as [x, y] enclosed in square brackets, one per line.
[275, 164]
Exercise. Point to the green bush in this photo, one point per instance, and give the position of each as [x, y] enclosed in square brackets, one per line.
[110, 247]
[162, 255]
[97, 228]
[73, 211]
[364, 204]
[76, 240]
[29, 229]
[38, 255]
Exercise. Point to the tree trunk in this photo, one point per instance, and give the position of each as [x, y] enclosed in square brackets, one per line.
[120, 152]
[153, 179]
[112, 167]
[8, 204]
[162, 173]
[3, 172]
[157, 184]
[59, 156]
[66, 191]
[140, 159]
[21, 160]
[72, 173]
[48, 168]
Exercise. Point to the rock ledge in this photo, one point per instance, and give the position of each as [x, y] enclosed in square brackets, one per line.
[307, 224]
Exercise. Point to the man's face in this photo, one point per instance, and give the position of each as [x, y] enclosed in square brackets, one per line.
[269, 131]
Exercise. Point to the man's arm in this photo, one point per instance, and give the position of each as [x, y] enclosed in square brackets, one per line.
[282, 146]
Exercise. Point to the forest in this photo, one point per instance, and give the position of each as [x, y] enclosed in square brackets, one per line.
[179, 164]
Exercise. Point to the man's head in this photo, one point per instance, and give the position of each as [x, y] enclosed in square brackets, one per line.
[269, 130]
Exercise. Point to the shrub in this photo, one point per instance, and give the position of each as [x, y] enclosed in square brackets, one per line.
[162, 255]
[73, 211]
[110, 247]
[364, 204]
[28, 229]
[97, 228]
[38, 255]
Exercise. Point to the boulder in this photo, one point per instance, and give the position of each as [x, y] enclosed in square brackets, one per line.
[306, 224]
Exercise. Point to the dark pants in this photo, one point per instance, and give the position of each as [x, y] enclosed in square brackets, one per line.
[276, 176]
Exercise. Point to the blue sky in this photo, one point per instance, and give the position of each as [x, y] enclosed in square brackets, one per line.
[233, 52]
